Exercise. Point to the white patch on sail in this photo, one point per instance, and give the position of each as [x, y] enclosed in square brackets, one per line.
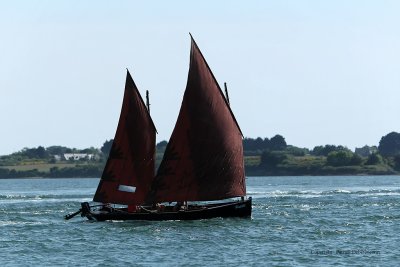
[127, 188]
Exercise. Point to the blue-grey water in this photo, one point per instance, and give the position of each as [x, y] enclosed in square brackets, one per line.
[296, 221]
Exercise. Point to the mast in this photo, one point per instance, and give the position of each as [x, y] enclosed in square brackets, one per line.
[226, 94]
[147, 101]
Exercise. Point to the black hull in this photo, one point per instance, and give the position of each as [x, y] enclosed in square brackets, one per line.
[229, 209]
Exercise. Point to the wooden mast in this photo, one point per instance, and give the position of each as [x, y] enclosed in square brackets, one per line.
[227, 100]
[147, 101]
[226, 93]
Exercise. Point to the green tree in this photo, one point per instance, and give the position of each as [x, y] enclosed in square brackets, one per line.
[390, 144]
[90, 150]
[56, 150]
[356, 160]
[325, 150]
[161, 146]
[4, 173]
[374, 159]
[38, 153]
[339, 158]
[297, 151]
[277, 143]
[41, 152]
[106, 148]
[258, 144]
[396, 161]
[271, 159]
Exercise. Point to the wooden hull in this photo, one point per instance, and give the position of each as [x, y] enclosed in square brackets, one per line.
[229, 209]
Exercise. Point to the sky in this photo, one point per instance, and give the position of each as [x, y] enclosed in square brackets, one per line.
[315, 72]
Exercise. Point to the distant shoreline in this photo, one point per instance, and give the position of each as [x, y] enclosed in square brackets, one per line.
[295, 167]
[262, 157]
[247, 176]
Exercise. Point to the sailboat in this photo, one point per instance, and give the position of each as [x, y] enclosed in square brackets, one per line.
[201, 174]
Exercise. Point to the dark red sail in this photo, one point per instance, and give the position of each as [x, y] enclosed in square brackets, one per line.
[129, 170]
[204, 156]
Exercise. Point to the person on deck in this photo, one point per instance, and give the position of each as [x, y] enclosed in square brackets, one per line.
[178, 206]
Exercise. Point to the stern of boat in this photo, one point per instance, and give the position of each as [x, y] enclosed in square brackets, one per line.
[86, 211]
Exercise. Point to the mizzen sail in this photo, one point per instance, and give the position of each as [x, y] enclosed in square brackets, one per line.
[204, 157]
[129, 170]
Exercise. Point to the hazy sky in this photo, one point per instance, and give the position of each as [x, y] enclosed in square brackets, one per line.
[316, 72]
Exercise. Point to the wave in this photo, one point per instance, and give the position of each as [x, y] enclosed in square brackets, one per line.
[317, 193]
[41, 196]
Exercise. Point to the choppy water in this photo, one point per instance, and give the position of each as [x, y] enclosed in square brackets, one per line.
[310, 221]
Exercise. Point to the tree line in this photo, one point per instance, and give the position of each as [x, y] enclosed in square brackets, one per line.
[262, 156]
[331, 159]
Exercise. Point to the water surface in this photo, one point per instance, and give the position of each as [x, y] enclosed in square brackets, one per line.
[310, 221]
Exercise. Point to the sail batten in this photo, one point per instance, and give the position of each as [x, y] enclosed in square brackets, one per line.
[131, 159]
[204, 156]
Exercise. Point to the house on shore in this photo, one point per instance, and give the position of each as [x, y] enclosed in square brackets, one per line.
[78, 156]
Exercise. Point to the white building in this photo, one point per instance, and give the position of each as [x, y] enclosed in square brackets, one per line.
[78, 156]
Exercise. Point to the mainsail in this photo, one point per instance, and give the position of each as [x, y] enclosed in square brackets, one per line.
[204, 156]
[129, 170]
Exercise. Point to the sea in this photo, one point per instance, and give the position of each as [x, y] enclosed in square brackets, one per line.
[296, 221]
